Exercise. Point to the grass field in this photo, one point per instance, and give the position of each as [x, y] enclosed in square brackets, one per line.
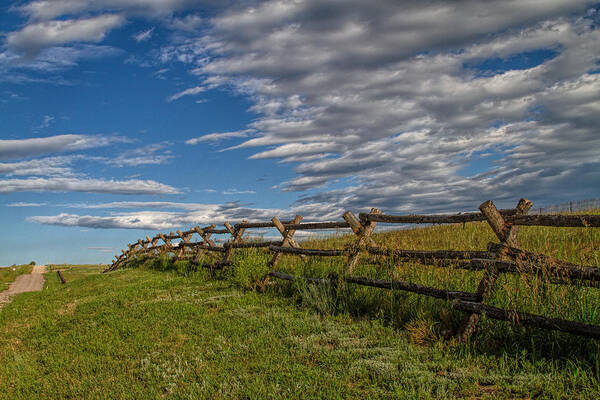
[164, 330]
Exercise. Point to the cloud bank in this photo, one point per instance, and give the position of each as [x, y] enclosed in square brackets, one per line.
[404, 106]
[408, 106]
[131, 186]
[21, 148]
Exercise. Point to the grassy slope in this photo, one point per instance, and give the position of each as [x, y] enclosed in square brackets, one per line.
[139, 333]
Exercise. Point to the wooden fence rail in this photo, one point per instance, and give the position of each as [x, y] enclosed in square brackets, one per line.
[502, 257]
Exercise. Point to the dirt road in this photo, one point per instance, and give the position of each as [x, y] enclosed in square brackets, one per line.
[25, 283]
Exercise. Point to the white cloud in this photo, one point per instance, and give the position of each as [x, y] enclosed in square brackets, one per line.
[153, 154]
[50, 9]
[24, 204]
[189, 23]
[48, 166]
[187, 92]
[215, 137]
[20, 148]
[132, 186]
[142, 204]
[207, 214]
[238, 192]
[49, 60]
[293, 151]
[36, 36]
[143, 35]
[46, 120]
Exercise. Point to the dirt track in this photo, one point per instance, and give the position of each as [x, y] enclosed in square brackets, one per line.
[25, 283]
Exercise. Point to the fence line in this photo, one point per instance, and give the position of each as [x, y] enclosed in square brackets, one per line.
[571, 206]
[502, 257]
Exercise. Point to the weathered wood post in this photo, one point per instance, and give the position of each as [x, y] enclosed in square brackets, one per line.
[205, 240]
[363, 230]
[507, 234]
[145, 244]
[199, 251]
[167, 246]
[132, 250]
[236, 237]
[287, 234]
[186, 239]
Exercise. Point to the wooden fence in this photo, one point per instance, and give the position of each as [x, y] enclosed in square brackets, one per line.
[502, 257]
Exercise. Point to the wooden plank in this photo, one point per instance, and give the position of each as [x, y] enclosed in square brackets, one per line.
[247, 245]
[516, 317]
[216, 266]
[307, 252]
[353, 222]
[430, 218]
[248, 225]
[283, 230]
[428, 254]
[203, 246]
[216, 231]
[536, 263]
[200, 231]
[567, 221]
[382, 284]
[411, 287]
[180, 234]
[229, 228]
[317, 226]
[288, 277]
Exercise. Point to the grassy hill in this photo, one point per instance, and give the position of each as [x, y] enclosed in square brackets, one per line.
[163, 330]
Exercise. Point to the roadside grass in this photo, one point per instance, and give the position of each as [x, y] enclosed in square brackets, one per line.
[139, 333]
[165, 329]
[9, 274]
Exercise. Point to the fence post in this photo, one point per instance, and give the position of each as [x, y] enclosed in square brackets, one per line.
[186, 239]
[287, 234]
[363, 230]
[507, 234]
[132, 250]
[236, 238]
[146, 243]
[205, 240]
[62, 279]
[167, 243]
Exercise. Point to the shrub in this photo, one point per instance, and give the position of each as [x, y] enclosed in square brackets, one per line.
[184, 267]
[250, 267]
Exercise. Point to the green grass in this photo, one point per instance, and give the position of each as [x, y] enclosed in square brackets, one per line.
[8, 275]
[164, 330]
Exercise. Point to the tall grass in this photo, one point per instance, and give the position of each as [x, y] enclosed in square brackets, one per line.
[425, 318]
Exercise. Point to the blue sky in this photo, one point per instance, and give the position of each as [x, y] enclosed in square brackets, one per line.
[123, 118]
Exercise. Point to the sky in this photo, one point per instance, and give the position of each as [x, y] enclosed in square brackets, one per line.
[123, 118]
